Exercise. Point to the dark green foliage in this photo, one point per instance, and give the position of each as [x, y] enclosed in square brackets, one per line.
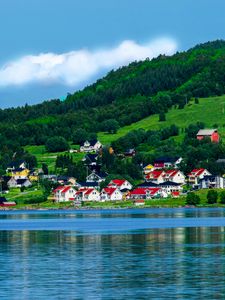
[222, 197]
[196, 101]
[79, 136]
[110, 126]
[45, 169]
[192, 199]
[30, 160]
[151, 137]
[162, 117]
[36, 200]
[56, 144]
[22, 189]
[63, 161]
[212, 196]
[47, 187]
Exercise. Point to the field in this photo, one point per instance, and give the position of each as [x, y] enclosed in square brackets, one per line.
[211, 111]
[50, 158]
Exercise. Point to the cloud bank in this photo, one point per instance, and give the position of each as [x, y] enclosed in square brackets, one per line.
[75, 67]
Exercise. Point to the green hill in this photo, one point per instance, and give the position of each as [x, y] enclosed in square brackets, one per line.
[131, 97]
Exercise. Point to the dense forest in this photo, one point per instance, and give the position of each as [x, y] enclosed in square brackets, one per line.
[122, 97]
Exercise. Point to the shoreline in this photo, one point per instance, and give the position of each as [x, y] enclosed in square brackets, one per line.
[85, 208]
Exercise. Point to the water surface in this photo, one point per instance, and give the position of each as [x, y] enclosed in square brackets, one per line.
[119, 254]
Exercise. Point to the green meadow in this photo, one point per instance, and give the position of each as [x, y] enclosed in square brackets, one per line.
[211, 111]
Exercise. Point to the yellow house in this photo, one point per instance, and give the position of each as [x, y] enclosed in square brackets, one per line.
[147, 169]
[33, 177]
[20, 173]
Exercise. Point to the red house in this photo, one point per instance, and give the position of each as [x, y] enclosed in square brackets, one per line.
[209, 133]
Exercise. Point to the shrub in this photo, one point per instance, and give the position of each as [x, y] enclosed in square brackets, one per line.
[222, 197]
[56, 144]
[212, 196]
[162, 117]
[36, 200]
[192, 199]
[196, 101]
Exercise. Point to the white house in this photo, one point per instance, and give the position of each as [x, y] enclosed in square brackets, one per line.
[195, 175]
[169, 187]
[87, 194]
[64, 194]
[96, 177]
[212, 181]
[91, 146]
[156, 176]
[174, 176]
[18, 183]
[111, 194]
[121, 184]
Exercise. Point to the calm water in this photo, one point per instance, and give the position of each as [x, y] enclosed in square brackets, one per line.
[124, 254]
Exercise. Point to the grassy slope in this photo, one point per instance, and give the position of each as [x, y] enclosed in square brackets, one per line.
[50, 158]
[209, 110]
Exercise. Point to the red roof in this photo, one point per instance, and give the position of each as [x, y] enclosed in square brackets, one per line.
[154, 174]
[139, 191]
[142, 191]
[63, 189]
[171, 172]
[196, 172]
[89, 191]
[118, 182]
[175, 194]
[109, 190]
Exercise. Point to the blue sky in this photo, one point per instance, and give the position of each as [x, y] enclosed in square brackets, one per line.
[74, 42]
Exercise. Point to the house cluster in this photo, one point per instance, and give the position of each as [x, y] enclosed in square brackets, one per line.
[162, 179]
[116, 190]
[165, 173]
[19, 175]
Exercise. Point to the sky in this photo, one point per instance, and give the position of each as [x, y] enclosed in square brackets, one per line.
[52, 47]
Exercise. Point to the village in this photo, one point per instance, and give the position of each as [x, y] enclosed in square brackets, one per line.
[161, 180]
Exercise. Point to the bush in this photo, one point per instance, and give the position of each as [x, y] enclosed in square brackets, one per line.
[36, 200]
[222, 197]
[192, 199]
[22, 189]
[196, 101]
[56, 144]
[162, 117]
[212, 196]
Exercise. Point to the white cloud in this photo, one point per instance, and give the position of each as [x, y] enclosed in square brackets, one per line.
[75, 67]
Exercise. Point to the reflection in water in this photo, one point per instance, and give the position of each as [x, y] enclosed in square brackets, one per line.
[176, 263]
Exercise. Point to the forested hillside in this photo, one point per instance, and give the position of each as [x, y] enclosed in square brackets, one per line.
[121, 98]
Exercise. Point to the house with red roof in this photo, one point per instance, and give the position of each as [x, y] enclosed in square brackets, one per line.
[174, 175]
[195, 175]
[211, 134]
[64, 194]
[87, 194]
[156, 176]
[111, 194]
[121, 184]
